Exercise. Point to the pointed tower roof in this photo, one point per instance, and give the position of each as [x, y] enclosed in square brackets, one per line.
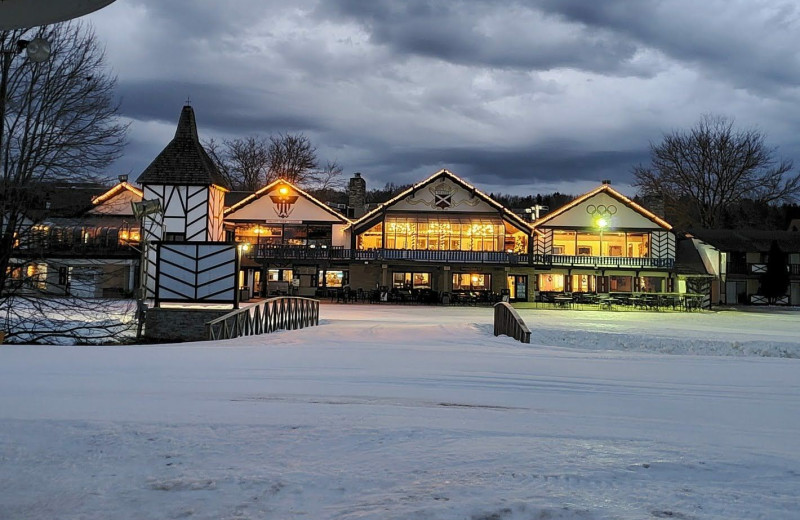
[183, 161]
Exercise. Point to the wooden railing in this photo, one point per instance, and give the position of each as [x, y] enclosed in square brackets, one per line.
[602, 261]
[508, 323]
[269, 252]
[281, 313]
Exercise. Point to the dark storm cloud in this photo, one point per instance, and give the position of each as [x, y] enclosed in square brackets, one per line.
[545, 163]
[747, 46]
[223, 110]
[507, 35]
[505, 93]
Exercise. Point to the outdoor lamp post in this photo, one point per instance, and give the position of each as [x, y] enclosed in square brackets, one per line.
[602, 224]
[142, 210]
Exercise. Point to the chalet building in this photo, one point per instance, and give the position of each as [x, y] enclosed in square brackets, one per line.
[737, 259]
[444, 237]
[84, 253]
[603, 242]
[292, 241]
[441, 240]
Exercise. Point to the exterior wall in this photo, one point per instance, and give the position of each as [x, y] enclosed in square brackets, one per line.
[619, 215]
[186, 211]
[174, 325]
[340, 237]
[216, 206]
[297, 208]
[442, 195]
[367, 276]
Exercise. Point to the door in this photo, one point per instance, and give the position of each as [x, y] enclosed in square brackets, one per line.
[517, 287]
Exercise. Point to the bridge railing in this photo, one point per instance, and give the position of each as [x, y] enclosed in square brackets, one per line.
[281, 313]
[508, 323]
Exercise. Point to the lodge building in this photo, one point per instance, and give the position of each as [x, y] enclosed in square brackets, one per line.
[440, 241]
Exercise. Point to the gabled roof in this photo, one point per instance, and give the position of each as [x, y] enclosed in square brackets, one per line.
[688, 260]
[748, 240]
[445, 174]
[116, 190]
[269, 187]
[183, 161]
[605, 188]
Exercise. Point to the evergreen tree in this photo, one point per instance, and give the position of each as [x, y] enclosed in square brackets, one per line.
[775, 281]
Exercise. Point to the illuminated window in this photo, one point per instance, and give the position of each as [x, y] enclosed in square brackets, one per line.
[620, 283]
[651, 284]
[552, 282]
[277, 275]
[372, 238]
[411, 280]
[472, 282]
[446, 234]
[333, 278]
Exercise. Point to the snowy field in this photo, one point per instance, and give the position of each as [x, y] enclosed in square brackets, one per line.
[388, 412]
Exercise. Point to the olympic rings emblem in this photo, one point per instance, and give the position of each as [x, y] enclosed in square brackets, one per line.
[601, 209]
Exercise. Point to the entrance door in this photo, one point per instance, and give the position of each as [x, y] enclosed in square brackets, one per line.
[517, 287]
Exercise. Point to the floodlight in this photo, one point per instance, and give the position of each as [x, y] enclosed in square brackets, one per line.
[37, 50]
[602, 223]
[145, 208]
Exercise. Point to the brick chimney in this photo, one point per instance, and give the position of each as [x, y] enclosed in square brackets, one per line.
[356, 196]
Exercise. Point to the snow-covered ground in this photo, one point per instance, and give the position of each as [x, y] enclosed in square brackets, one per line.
[389, 412]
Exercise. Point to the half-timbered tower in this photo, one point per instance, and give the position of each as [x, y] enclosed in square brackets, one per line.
[189, 186]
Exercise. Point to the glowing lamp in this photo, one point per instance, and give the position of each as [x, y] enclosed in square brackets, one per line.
[283, 190]
[602, 223]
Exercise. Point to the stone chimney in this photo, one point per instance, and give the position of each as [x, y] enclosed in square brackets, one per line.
[356, 196]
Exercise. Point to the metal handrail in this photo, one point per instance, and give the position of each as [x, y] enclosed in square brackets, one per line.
[508, 323]
[280, 313]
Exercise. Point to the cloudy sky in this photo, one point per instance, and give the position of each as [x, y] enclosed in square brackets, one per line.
[516, 96]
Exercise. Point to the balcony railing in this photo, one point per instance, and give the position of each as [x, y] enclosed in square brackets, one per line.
[337, 253]
[756, 269]
[603, 261]
[263, 252]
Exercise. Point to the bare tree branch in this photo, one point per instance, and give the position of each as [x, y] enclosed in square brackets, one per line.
[712, 166]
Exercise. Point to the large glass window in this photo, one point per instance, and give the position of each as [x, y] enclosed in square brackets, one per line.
[594, 243]
[277, 275]
[651, 284]
[584, 283]
[446, 234]
[620, 283]
[332, 278]
[284, 234]
[638, 245]
[371, 238]
[411, 280]
[472, 282]
[551, 282]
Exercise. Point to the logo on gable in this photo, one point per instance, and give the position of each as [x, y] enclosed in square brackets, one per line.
[283, 201]
[443, 196]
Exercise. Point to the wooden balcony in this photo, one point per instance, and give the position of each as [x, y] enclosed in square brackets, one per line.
[264, 252]
[624, 262]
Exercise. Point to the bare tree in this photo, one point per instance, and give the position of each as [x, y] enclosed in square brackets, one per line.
[251, 162]
[244, 162]
[326, 179]
[292, 157]
[59, 122]
[703, 170]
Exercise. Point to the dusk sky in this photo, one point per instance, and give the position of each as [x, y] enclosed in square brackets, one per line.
[517, 97]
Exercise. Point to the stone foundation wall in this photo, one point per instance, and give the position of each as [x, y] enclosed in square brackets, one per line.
[165, 325]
